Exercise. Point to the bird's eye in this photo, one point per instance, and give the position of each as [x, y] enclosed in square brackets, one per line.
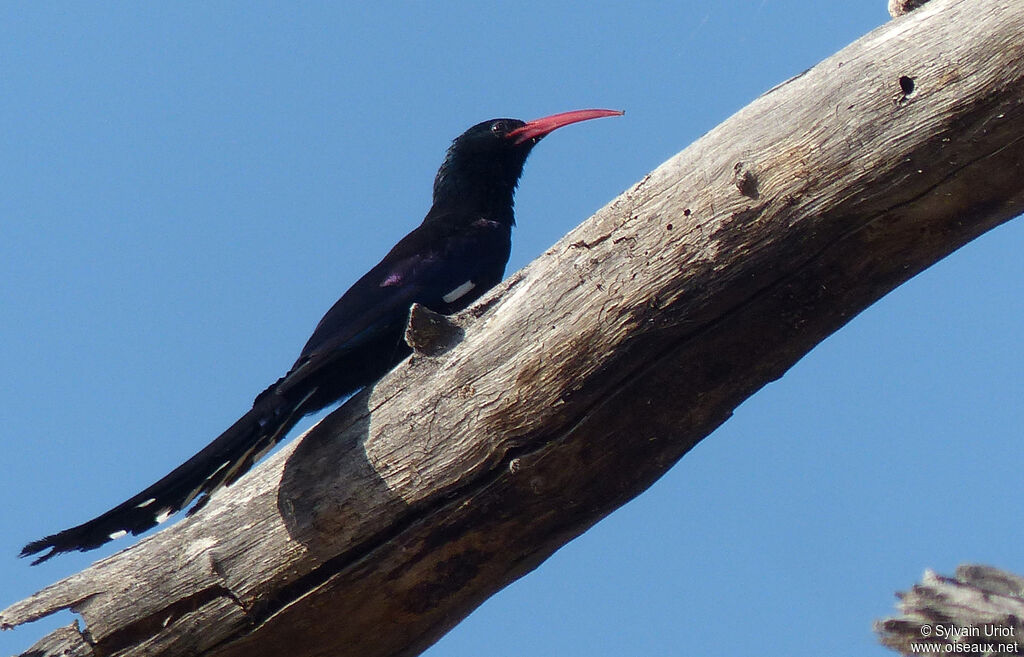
[500, 128]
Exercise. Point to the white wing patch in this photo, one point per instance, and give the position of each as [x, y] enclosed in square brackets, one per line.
[458, 292]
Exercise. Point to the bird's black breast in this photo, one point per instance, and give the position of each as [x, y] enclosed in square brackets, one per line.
[482, 250]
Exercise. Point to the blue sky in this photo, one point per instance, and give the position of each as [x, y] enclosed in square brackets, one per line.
[186, 188]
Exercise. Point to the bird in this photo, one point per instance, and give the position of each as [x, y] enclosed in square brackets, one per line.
[454, 256]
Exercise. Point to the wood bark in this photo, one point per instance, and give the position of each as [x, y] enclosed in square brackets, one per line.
[901, 7]
[979, 611]
[581, 379]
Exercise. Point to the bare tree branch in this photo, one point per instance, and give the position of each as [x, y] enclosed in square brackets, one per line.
[900, 7]
[980, 610]
[585, 376]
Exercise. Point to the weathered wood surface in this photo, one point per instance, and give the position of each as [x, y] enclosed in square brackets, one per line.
[901, 7]
[585, 376]
[980, 610]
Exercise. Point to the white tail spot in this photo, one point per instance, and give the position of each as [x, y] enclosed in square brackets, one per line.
[118, 534]
[163, 515]
[233, 470]
[262, 452]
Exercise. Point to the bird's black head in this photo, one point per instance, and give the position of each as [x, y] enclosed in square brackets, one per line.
[483, 164]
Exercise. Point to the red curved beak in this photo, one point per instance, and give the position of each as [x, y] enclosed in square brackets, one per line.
[537, 128]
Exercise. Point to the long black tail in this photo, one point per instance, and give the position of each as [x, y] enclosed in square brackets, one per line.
[219, 464]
